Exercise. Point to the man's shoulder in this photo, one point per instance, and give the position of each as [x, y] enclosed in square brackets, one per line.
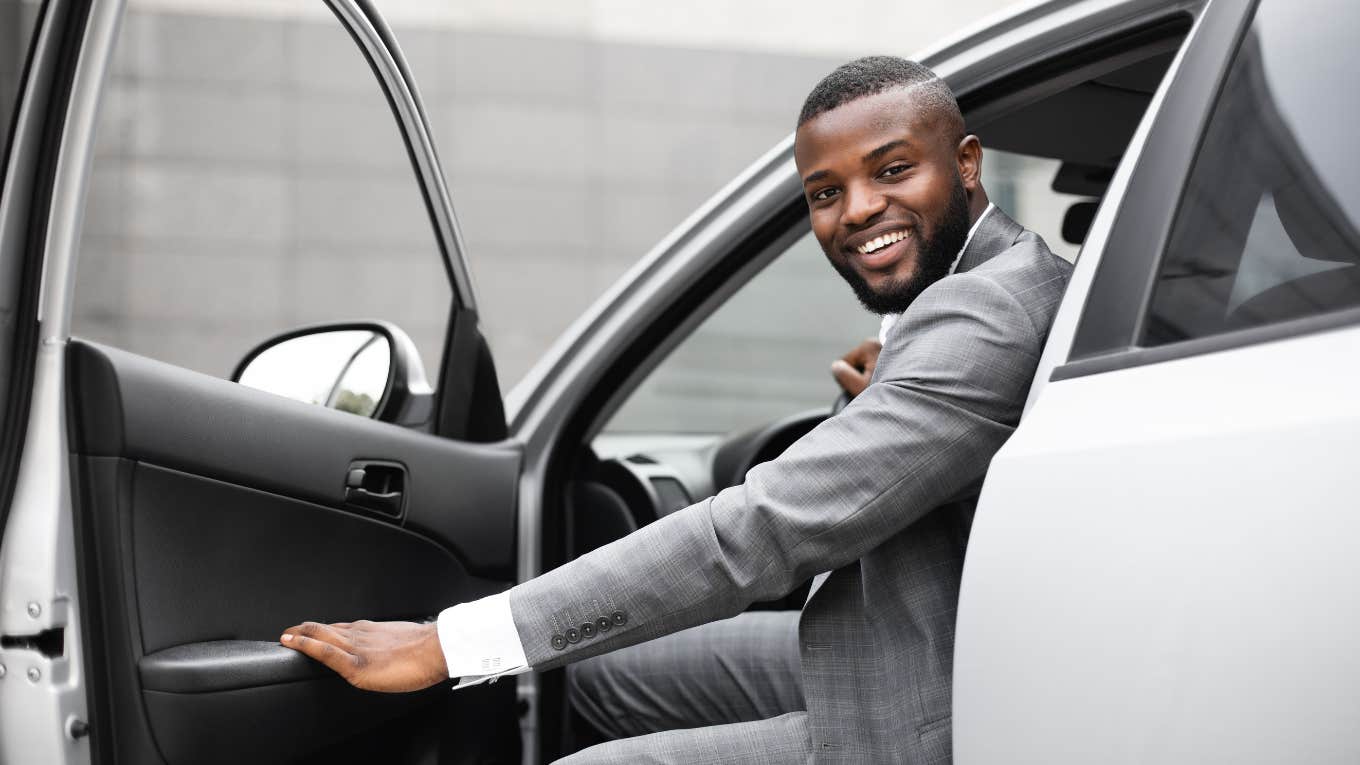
[1028, 265]
[1025, 278]
[1031, 274]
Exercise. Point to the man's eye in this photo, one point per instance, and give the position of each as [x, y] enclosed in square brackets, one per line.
[892, 170]
[823, 194]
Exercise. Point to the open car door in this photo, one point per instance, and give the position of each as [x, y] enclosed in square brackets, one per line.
[166, 525]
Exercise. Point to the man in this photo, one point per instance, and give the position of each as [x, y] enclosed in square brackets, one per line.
[880, 495]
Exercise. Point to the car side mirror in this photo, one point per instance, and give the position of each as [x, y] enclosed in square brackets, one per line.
[368, 368]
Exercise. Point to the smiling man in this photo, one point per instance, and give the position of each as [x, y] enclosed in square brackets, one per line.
[879, 498]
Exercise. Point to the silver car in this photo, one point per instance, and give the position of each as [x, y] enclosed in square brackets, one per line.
[1162, 554]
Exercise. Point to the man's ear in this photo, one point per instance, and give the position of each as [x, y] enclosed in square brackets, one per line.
[969, 157]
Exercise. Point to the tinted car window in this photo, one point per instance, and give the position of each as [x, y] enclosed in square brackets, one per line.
[1267, 231]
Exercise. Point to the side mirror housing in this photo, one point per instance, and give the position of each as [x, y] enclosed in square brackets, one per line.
[1077, 221]
[368, 368]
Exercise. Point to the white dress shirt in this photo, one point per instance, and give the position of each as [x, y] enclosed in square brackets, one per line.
[479, 639]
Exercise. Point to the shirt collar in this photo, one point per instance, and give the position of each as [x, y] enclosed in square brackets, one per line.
[891, 318]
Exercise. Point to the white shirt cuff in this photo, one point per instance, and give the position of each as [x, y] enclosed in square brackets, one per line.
[480, 642]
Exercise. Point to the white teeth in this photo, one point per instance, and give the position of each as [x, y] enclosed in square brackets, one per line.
[881, 242]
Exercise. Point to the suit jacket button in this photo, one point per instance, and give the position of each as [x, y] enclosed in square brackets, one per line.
[558, 642]
[588, 630]
[619, 618]
[604, 624]
[573, 635]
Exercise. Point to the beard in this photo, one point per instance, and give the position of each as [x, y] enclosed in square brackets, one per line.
[934, 256]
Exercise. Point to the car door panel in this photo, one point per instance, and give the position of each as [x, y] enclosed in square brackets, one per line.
[134, 407]
[274, 723]
[216, 517]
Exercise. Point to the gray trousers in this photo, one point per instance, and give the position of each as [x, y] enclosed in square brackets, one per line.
[726, 692]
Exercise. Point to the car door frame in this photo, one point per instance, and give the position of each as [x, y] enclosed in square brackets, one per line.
[49, 165]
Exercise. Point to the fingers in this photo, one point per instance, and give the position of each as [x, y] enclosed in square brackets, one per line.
[337, 635]
[850, 379]
[854, 369]
[322, 643]
[864, 354]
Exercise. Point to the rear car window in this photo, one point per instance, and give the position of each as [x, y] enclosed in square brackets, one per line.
[1267, 229]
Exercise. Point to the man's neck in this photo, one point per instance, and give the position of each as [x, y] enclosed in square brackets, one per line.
[977, 205]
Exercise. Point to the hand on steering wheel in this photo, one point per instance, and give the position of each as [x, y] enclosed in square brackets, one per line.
[853, 370]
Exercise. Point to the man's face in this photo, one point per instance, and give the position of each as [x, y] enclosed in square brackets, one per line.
[887, 191]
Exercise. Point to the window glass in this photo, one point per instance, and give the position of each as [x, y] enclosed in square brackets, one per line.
[766, 353]
[18, 20]
[1267, 230]
[249, 178]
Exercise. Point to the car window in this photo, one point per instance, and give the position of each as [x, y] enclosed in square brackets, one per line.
[766, 353]
[249, 178]
[1267, 229]
[18, 19]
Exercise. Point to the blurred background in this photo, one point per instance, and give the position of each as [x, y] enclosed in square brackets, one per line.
[249, 177]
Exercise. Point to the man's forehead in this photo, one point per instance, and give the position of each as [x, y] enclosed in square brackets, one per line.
[894, 114]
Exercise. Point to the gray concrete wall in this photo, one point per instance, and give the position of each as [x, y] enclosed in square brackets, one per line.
[248, 179]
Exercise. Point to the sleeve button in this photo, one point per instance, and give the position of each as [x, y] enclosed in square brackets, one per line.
[558, 642]
[573, 635]
[604, 624]
[588, 630]
[619, 618]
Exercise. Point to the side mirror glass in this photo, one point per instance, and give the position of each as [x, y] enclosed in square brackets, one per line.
[370, 369]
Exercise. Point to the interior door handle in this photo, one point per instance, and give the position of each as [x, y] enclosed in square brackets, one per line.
[379, 487]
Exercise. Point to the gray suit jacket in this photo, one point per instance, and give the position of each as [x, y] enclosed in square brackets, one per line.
[882, 493]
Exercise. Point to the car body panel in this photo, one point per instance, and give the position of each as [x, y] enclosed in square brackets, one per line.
[1161, 567]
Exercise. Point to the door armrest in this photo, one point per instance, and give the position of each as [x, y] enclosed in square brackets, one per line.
[223, 665]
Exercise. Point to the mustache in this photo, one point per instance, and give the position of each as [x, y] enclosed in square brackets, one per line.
[934, 256]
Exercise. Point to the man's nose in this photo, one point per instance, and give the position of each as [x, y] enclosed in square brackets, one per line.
[861, 206]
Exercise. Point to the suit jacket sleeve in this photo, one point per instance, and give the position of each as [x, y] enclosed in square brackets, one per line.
[947, 392]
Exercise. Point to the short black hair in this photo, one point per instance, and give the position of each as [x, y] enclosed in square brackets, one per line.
[872, 75]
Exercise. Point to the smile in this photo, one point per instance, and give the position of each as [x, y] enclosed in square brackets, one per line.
[881, 242]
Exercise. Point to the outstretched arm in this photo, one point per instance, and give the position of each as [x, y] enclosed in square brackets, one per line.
[946, 394]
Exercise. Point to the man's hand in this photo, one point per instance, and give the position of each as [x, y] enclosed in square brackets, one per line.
[393, 657]
[854, 369]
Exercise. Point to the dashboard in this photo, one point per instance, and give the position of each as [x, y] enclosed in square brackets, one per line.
[626, 481]
[657, 474]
